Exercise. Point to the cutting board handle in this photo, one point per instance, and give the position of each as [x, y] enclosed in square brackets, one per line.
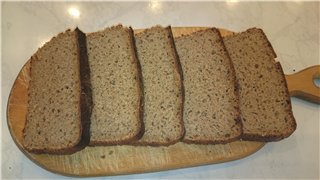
[302, 85]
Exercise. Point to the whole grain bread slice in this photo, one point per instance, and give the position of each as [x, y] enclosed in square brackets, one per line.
[59, 104]
[211, 108]
[264, 99]
[163, 89]
[116, 87]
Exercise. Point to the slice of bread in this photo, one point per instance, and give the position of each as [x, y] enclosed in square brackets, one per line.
[163, 90]
[211, 107]
[264, 99]
[116, 87]
[59, 104]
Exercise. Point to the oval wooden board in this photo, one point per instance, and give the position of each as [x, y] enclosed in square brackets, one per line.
[116, 160]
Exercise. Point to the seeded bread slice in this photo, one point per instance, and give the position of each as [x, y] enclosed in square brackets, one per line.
[163, 90]
[211, 108]
[116, 86]
[59, 104]
[264, 98]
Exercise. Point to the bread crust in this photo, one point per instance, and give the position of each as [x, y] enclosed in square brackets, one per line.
[179, 70]
[85, 99]
[138, 134]
[140, 84]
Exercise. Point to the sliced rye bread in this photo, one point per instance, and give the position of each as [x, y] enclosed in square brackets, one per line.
[116, 87]
[163, 89]
[211, 107]
[264, 98]
[59, 104]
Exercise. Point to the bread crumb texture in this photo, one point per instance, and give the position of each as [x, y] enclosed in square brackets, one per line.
[115, 86]
[264, 100]
[53, 118]
[162, 87]
[211, 101]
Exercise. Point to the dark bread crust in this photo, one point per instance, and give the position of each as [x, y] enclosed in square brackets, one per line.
[85, 99]
[276, 137]
[139, 133]
[86, 91]
[179, 69]
[140, 83]
[236, 92]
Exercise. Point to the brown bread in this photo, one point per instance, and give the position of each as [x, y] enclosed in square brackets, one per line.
[264, 99]
[211, 113]
[163, 90]
[116, 87]
[59, 93]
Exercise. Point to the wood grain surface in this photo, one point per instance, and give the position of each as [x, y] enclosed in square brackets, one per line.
[116, 160]
[301, 84]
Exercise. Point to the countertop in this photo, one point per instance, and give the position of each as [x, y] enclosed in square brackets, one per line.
[292, 28]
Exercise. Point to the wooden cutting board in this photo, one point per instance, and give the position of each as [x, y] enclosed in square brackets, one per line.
[116, 160]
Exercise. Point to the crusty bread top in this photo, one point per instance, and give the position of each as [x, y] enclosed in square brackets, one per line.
[54, 118]
[264, 99]
[116, 88]
[211, 113]
[163, 91]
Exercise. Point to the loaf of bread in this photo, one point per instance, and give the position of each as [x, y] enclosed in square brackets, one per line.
[59, 104]
[163, 90]
[152, 90]
[211, 108]
[116, 87]
[264, 99]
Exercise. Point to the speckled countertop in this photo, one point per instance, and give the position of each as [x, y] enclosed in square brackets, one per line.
[292, 28]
